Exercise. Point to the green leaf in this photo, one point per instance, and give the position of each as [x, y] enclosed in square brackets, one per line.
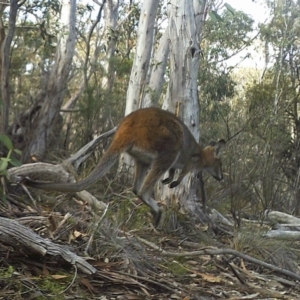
[3, 166]
[3, 172]
[230, 8]
[15, 162]
[6, 141]
[19, 152]
[215, 16]
[6, 159]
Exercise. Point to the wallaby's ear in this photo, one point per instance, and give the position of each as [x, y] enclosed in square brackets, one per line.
[219, 146]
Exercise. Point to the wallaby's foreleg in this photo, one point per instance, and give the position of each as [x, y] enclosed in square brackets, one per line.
[170, 177]
[183, 172]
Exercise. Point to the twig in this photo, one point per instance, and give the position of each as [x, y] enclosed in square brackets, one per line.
[30, 197]
[95, 227]
[62, 222]
[163, 286]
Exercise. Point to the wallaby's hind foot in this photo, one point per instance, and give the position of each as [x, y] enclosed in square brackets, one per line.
[156, 217]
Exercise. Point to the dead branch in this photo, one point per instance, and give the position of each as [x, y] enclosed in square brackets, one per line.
[216, 251]
[61, 172]
[283, 235]
[56, 173]
[14, 234]
[277, 216]
[82, 154]
[218, 218]
[95, 227]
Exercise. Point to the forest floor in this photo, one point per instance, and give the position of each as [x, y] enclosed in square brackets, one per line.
[179, 260]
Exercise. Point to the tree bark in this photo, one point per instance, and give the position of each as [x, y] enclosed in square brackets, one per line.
[88, 59]
[111, 11]
[18, 236]
[277, 216]
[140, 66]
[142, 56]
[5, 63]
[158, 68]
[49, 117]
[185, 23]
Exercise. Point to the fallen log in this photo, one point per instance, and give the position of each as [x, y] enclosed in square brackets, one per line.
[61, 172]
[19, 237]
[280, 217]
[283, 235]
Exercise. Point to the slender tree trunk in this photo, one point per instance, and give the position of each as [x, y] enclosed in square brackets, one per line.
[111, 11]
[5, 62]
[158, 68]
[140, 66]
[46, 132]
[185, 23]
[142, 56]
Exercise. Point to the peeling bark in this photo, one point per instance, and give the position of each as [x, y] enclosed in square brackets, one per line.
[140, 66]
[45, 133]
[158, 68]
[18, 236]
[185, 23]
[142, 56]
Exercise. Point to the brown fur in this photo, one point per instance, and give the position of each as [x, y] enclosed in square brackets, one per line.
[158, 141]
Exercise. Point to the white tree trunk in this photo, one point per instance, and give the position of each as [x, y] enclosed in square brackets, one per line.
[142, 56]
[140, 66]
[45, 134]
[158, 68]
[111, 10]
[185, 23]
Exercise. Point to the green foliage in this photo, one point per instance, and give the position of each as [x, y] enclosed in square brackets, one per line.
[231, 31]
[177, 268]
[262, 162]
[53, 286]
[9, 160]
[225, 34]
[216, 86]
[7, 273]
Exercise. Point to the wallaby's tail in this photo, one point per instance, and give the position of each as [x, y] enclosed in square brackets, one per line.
[100, 170]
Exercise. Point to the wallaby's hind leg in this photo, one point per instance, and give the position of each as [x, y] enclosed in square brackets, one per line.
[157, 169]
[139, 175]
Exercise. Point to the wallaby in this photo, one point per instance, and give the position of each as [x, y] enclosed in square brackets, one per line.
[158, 141]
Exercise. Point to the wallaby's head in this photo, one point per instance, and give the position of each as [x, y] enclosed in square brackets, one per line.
[212, 161]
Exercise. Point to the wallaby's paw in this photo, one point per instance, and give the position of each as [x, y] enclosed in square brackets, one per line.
[166, 181]
[173, 184]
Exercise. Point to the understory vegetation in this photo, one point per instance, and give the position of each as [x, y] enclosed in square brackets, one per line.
[254, 108]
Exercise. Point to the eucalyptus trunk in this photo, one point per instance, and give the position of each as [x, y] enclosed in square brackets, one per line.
[111, 11]
[157, 71]
[48, 123]
[142, 56]
[185, 24]
[6, 38]
[140, 68]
